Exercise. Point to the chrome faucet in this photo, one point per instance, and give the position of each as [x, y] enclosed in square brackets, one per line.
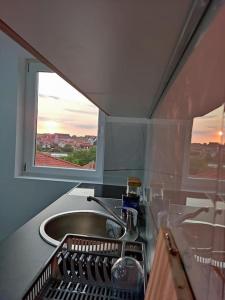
[131, 218]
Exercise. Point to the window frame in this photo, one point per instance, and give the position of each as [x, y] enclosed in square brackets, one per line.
[30, 130]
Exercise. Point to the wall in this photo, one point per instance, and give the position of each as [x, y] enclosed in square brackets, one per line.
[125, 140]
[21, 198]
[185, 163]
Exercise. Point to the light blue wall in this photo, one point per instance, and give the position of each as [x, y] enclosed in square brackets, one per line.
[20, 199]
[125, 140]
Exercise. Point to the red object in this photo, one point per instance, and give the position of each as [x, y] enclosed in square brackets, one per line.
[44, 159]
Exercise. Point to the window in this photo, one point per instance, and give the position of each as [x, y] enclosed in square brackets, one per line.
[206, 145]
[64, 131]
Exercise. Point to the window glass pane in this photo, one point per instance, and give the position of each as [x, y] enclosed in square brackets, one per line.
[67, 125]
[206, 140]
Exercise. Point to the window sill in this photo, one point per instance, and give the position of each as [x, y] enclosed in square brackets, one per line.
[40, 178]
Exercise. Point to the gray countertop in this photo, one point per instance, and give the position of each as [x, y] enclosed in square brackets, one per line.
[24, 253]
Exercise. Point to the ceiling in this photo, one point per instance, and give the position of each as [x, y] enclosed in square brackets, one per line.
[117, 52]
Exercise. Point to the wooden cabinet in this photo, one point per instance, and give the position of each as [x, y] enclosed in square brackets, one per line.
[167, 279]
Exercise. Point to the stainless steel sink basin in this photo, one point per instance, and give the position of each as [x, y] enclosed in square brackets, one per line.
[53, 229]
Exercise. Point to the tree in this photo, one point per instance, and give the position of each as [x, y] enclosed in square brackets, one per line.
[82, 156]
[197, 165]
[68, 148]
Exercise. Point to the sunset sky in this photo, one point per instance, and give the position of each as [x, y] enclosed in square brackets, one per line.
[62, 109]
[209, 128]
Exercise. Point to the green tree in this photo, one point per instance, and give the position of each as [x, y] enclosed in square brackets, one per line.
[197, 165]
[68, 148]
[39, 148]
[82, 156]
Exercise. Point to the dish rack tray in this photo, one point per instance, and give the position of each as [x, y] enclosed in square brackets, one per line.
[80, 268]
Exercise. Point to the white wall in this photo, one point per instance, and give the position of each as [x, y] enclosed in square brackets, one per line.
[21, 198]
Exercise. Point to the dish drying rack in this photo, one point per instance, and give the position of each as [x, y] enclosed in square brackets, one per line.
[80, 268]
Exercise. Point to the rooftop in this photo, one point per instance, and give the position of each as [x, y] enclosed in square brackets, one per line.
[45, 159]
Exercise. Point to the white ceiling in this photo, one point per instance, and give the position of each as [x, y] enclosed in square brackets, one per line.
[114, 51]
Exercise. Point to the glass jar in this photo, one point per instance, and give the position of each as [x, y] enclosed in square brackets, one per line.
[133, 187]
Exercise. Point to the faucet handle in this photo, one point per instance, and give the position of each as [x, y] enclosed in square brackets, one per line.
[132, 214]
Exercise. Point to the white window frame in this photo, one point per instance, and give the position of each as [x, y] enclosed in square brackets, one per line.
[30, 119]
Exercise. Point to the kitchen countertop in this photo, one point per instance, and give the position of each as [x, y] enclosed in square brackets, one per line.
[24, 252]
[100, 190]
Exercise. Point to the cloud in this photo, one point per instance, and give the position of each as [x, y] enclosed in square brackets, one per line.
[212, 127]
[200, 132]
[83, 126]
[43, 119]
[80, 111]
[49, 96]
[73, 123]
[46, 119]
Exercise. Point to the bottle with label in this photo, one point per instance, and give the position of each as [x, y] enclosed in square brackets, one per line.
[132, 196]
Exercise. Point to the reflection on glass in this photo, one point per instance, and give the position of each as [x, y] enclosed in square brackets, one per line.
[221, 176]
[206, 144]
[188, 157]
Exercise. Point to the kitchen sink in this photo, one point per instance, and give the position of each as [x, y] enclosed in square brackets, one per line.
[90, 223]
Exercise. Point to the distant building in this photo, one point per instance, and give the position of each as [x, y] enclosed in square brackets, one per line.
[48, 140]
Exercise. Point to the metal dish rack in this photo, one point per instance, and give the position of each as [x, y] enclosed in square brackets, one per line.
[80, 268]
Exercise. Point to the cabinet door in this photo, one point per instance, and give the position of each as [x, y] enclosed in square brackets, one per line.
[167, 278]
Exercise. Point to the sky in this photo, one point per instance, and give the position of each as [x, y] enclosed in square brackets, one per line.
[209, 128]
[63, 109]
